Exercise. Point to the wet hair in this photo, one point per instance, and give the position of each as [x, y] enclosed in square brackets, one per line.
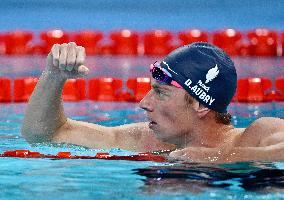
[222, 118]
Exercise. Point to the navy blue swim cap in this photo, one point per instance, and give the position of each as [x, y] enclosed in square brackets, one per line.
[206, 72]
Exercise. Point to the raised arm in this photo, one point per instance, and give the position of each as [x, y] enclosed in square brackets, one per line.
[45, 114]
[45, 120]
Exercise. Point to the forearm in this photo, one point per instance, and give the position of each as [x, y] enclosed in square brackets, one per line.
[44, 113]
[268, 153]
[229, 155]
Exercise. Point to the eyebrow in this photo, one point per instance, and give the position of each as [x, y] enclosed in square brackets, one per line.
[160, 86]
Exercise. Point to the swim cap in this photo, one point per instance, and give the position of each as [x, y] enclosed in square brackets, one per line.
[206, 72]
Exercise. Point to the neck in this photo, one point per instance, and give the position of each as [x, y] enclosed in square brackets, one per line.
[209, 134]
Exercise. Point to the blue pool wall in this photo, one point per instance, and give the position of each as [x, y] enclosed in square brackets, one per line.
[140, 15]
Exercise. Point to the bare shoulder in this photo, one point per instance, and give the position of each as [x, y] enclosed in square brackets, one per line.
[260, 129]
[136, 136]
[266, 125]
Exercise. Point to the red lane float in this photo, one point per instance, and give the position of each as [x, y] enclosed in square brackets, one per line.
[192, 35]
[106, 49]
[230, 40]
[140, 87]
[105, 89]
[38, 49]
[158, 42]
[89, 39]
[67, 155]
[125, 42]
[23, 88]
[74, 90]
[254, 90]
[2, 44]
[282, 39]
[16, 42]
[5, 90]
[263, 42]
[52, 37]
[110, 89]
[279, 84]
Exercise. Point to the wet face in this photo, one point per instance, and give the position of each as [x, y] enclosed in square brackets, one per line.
[170, 116]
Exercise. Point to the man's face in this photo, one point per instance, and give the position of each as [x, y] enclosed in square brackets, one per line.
[170, 116]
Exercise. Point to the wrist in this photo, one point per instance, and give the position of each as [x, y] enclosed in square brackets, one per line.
[53, 76]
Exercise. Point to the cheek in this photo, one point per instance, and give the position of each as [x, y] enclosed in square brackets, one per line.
[174, 123]
[169, 115]
[174, 116]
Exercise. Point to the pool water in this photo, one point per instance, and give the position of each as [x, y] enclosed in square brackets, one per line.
[104, 179]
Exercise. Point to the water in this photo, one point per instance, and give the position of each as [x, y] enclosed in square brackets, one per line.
[102, 179]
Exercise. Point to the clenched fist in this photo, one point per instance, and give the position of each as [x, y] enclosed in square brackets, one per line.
[67, 61]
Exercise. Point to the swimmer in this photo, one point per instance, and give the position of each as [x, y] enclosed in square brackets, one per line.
[186, 108]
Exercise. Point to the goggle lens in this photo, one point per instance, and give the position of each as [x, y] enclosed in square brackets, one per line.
[159, 74]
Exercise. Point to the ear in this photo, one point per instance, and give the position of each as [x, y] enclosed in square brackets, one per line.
[200, 109]
[202, 112]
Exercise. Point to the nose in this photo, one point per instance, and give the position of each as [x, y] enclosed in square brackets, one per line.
[146, 103]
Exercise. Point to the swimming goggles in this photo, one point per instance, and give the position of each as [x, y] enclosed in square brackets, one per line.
[162, 74]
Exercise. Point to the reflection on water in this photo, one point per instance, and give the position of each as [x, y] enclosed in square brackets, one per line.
[196, 178]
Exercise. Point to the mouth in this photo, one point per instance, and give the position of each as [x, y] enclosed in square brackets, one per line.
[152, 124]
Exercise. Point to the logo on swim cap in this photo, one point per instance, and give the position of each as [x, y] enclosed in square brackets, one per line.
[212, 73]
[169, 67]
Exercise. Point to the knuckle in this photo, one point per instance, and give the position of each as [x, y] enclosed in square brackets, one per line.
[63, 46]
[54, 49]
[80, 49]
[55, 46]
[72, 43]
[71, 49]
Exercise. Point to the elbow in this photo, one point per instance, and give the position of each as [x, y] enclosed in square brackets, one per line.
[34, 136]
[39, 132]
[26, 134]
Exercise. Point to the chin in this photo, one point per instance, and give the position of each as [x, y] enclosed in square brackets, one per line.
[162, 136]
[158, 134]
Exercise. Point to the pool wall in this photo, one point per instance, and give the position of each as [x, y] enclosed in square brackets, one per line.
[142, 15]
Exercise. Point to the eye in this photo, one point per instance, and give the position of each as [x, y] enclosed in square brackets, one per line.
[159, 92]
